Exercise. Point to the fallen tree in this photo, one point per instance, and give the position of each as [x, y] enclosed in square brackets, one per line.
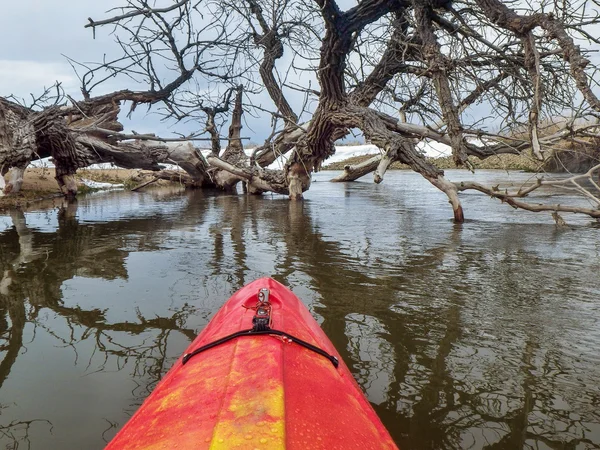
[78, 136]
[397, 71]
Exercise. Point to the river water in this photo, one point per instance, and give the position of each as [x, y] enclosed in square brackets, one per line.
[480, 335]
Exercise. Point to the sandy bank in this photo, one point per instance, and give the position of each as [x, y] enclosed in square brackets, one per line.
[39, 184]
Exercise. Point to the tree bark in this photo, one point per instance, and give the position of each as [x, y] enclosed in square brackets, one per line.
[234, 152]
[15, 180]
[17, 142]
[436, 62]
[78, 137]
[384, 163]
[298, 180]
[451, 192]
[356, 171]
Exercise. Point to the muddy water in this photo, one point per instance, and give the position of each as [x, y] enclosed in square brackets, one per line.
[481, 335]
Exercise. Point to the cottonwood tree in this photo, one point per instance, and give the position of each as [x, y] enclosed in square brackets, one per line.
[463, 73]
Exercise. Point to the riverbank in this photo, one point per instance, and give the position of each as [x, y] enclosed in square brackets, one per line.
[499, 162]
[39, 184]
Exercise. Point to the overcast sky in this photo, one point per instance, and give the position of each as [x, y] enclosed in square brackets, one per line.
[35, 34]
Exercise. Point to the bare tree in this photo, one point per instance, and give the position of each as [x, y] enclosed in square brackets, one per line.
[469, 74]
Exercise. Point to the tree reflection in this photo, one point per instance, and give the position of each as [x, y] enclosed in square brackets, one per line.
[16, 432]
[429, 402]
[34, 265]
[446, 339]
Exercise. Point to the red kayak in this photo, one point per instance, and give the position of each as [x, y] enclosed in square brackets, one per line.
[261, 375]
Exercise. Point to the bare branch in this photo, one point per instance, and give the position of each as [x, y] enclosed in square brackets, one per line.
[136, 12]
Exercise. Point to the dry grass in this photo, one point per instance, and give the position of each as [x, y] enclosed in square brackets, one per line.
[39, 184]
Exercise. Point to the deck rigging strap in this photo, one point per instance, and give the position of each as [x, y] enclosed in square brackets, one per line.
[253, 332]
[261, 325]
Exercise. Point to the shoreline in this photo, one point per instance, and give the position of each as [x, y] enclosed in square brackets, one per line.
[39, 184]
[499, 162]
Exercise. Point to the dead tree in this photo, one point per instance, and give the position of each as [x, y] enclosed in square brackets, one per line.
[472, 75]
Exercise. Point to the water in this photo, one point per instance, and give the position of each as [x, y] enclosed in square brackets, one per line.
[481, 335]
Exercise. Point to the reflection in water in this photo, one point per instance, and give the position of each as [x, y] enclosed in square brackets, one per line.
[483, 335]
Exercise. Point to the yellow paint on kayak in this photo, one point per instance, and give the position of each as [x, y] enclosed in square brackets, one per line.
[252, 417]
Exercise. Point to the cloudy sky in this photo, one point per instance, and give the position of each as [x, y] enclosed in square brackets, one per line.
[35, 34]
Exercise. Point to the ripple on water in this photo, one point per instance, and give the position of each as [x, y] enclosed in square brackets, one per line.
[461, 335]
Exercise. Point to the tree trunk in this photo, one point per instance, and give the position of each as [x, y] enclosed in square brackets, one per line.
[298, 181]
[15, 180]
[386, 161]
[76, 140]
[451, 191]
[234, 152]
[17, 143]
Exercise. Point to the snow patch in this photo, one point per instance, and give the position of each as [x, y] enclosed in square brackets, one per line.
[344, 152]
[103, 186]
[430, 149]
[45, 162]
[433, 149]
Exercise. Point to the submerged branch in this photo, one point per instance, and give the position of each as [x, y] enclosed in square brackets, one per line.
[512, 198]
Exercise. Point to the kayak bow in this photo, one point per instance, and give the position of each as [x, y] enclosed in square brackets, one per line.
[261, 375]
